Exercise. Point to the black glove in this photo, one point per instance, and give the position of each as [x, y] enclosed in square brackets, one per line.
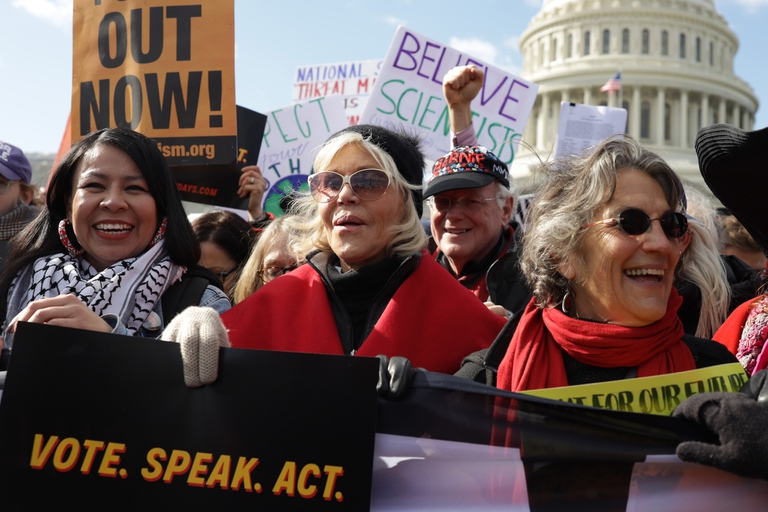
[741, 425]
[757, 387]
[395, 376]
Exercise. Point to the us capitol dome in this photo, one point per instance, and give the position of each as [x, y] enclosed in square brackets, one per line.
[676, 64]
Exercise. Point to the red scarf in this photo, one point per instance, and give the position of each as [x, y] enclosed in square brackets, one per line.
[534, 359]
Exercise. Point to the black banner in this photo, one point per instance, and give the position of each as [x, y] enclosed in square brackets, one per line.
[105, 422]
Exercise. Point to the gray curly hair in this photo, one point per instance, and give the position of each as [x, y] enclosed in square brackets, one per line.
[574, 189]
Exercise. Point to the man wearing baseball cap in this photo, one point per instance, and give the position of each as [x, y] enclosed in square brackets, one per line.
[15, 172]
[472, 200]
[471, 203]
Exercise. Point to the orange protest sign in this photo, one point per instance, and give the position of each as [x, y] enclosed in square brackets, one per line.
[164, 68]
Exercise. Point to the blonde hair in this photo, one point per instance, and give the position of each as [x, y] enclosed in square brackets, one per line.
[407, 233]
[702, 265]
[284, 231]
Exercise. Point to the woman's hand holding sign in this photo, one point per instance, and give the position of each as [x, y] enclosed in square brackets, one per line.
[64, 311]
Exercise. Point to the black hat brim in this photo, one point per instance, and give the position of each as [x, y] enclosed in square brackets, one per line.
[458, 180]
[733, 163]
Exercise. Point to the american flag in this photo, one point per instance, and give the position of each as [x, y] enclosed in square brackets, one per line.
[614, 84]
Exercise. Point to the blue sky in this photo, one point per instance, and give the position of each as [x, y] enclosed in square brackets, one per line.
[273, 38]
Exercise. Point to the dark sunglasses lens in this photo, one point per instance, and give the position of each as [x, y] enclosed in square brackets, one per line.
[369, 183]
[324, 186]
[634, 222]
[674, 224]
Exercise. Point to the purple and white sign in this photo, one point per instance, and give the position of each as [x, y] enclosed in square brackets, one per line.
[409, 93]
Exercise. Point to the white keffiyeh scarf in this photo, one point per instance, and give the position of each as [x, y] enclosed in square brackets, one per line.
[129, 289]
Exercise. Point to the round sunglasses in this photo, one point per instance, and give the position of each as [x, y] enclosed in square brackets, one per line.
[367, 184]
[636, 222]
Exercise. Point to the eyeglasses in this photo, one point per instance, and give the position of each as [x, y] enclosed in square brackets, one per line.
[269, 273]
[442, 204]
[5, 186]
[636, 222]
[367, 184]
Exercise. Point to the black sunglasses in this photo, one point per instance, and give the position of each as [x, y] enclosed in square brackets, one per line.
[368, 184]
[636, 222]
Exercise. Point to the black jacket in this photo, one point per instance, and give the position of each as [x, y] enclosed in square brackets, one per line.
[503, 278]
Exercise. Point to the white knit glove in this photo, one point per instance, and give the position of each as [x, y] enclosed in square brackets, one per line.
[200, 332]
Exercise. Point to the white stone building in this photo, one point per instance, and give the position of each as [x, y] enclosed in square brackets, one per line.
[676, 60]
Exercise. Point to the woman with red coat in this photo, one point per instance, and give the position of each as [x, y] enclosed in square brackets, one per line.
[369, 287]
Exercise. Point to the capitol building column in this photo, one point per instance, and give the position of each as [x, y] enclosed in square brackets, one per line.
[721, 111]
[541, 128]
[736, 117]
[705, 117]
[587, 96]
[634, 113]
[660, 103]
[684, 118]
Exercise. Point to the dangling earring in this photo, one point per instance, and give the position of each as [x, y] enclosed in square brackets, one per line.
[160, 233]
[565, 306]
[64, 237]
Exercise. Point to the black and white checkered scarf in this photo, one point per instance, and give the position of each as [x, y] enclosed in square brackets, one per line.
[129, 288]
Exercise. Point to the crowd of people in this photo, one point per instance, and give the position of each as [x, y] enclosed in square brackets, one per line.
[618, 271]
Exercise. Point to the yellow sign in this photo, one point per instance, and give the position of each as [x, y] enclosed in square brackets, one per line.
[650, 395]
[164, 68]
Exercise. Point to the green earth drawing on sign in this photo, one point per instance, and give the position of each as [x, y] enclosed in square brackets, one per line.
[284, 187]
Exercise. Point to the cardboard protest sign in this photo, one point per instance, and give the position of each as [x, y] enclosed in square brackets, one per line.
[351, 80]
[100, 421]
[409, 92]
[651, 395]
[155, 68]
[250, 130]
[288, 147]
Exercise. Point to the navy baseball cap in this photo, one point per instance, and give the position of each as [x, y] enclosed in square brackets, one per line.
[14, 165]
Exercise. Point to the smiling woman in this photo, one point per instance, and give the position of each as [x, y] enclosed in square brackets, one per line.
[368, 286]
[112, 240]
[107, 230]
[600, 254]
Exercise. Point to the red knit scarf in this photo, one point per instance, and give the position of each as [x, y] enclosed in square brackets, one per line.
[534, 359]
